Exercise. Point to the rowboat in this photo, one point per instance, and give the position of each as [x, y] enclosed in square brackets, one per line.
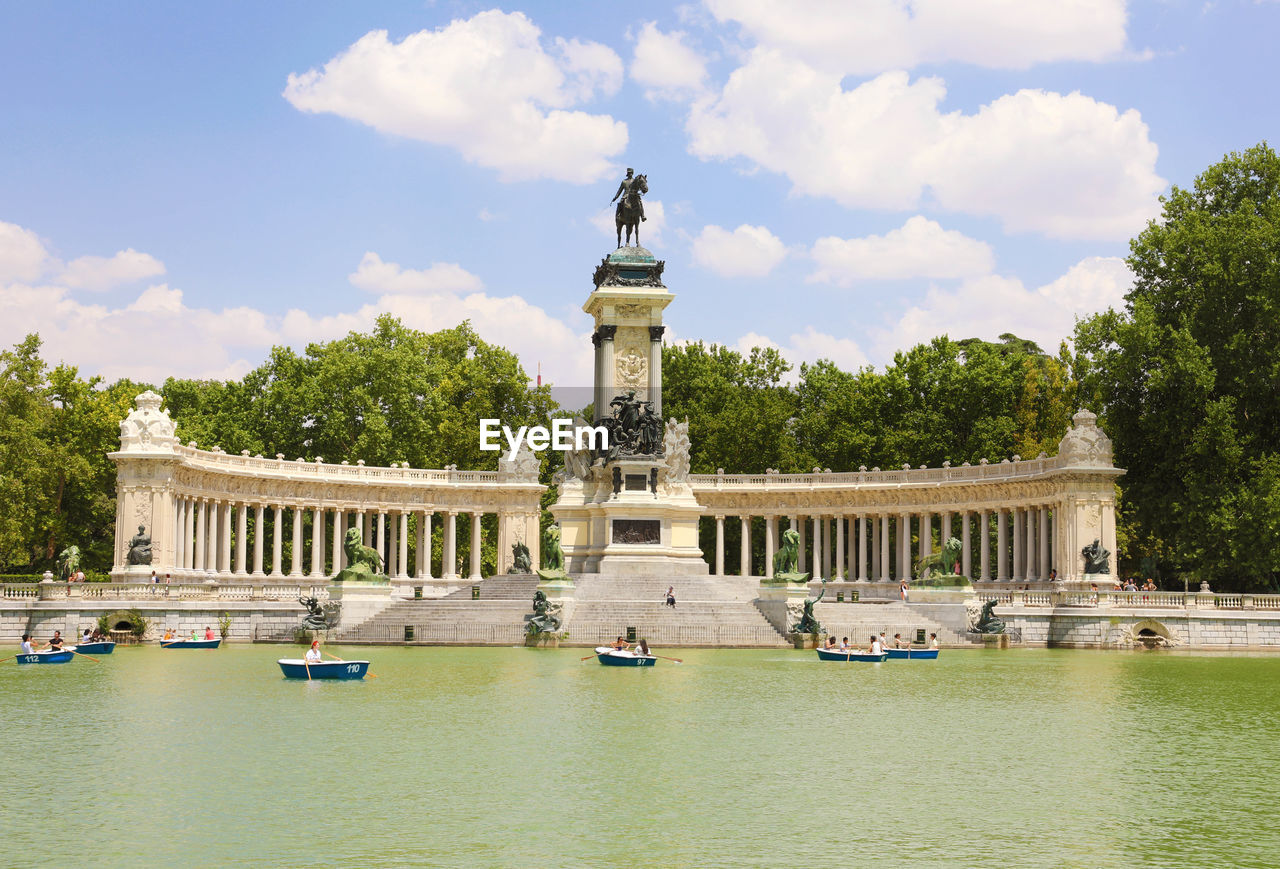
[297, 668]
[913, 654]
[190, 644]
[106, 647]
[48, 656]
[611, 657]
[837, 655]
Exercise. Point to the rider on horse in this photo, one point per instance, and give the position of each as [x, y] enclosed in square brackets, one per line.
[628, 186]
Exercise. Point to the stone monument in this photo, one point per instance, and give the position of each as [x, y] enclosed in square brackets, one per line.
[630, 509]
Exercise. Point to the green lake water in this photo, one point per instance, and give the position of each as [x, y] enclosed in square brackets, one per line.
[515, 757]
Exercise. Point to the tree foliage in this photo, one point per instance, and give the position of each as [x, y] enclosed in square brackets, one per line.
[1188, 376]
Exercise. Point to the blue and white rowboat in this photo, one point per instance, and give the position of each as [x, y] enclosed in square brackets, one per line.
[297, 668]
[190, 644]
[106, 647]
[913, 654]
[837, 655]
[48, 656]
[611, 657]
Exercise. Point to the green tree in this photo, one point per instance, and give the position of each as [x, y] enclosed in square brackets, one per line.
[1188, 375]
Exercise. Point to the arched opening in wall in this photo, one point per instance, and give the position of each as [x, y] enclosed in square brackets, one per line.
[1152, 634]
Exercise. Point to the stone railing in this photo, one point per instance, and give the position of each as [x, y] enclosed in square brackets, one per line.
[141, 591]
[1132, 599]
[1004, 470]
[257, 466]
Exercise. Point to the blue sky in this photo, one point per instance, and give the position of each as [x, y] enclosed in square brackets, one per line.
[838, 180]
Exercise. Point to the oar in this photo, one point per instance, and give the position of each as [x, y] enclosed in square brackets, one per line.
[665, 658]
[12, 657]
[83, 655]
[307, 664]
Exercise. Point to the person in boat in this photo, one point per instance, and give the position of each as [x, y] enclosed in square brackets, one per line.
[168, 635]
[643, 647]
[884, 642]
[29, 647]
[831, 643]
[55, 644]
[620, 645]
[844, 644]
[933, 641]
[86, 637]
[313, 653]
[898, 644]
[876, 648]
[208, 633]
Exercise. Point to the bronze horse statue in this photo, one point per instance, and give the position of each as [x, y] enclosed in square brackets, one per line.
[630, 210]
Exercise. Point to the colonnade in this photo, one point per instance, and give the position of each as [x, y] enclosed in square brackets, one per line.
[213, 537]
[878, 546]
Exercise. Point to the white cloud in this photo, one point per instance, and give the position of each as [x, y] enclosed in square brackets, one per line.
[1066, 166]
[987, 306]
[105, 273]
[865, 37]
[666, 65]
[748, 251]
[808, 346]
[486, 86]
[920, 248]
[22, 255]
[189, 341]
[375, 276]
[650, 230]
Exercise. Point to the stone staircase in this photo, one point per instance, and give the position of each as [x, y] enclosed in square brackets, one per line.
[858, 621]
[709, 611]
[504, 586]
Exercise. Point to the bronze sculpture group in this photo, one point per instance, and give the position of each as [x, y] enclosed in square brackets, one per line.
[634, 429]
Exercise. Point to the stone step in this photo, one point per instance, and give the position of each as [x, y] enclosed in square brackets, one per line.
[505, 586]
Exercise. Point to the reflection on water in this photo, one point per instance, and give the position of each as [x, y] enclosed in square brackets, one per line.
[514, 757]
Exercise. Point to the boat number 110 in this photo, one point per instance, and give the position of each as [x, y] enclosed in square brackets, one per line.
[353, 668]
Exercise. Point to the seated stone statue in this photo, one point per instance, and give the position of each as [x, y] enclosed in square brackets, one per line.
[140, 547]
[1096, 558]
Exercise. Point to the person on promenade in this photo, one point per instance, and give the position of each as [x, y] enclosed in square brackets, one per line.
[28, 647]
[313, 653]
[1053, 574]
[154, 579]
[933, 641]
[208, 633]
[671, 596]
[55, 645]
[620, 645]
[902, 589]
[876, 648]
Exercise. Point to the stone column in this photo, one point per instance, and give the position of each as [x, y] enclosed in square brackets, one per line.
[984, 547]
[966, 544]
[393, 539]
[926, 535]
[449, 568]
[884, 548]
[317, 541]
[819, 568]
[189, 524]
[424, 547]
[475, 546]
[339, 521]
[242, 538]
[945, 534]
[1029, 519]
[1002, 545]
[862, 548]
[803, 564]
[1015, 570]
[838, 573]
[224, 555]
[744, 558]
[277, 547]
[655, 367]
[180, 545]
[403, 565]
[770, 544]
[1045, 566]
[364, 528]
[904, 544]
[719, 546]
[214, 545]
[202, 526]
[295, 568]
[604, 384]
[260, 528]
[381, 545]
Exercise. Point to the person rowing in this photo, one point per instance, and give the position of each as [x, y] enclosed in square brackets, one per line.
[55, 644]
[876, 648]
[313, 653]
[621, 645]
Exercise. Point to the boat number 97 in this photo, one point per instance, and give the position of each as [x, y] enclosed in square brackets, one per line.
[353, 668]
